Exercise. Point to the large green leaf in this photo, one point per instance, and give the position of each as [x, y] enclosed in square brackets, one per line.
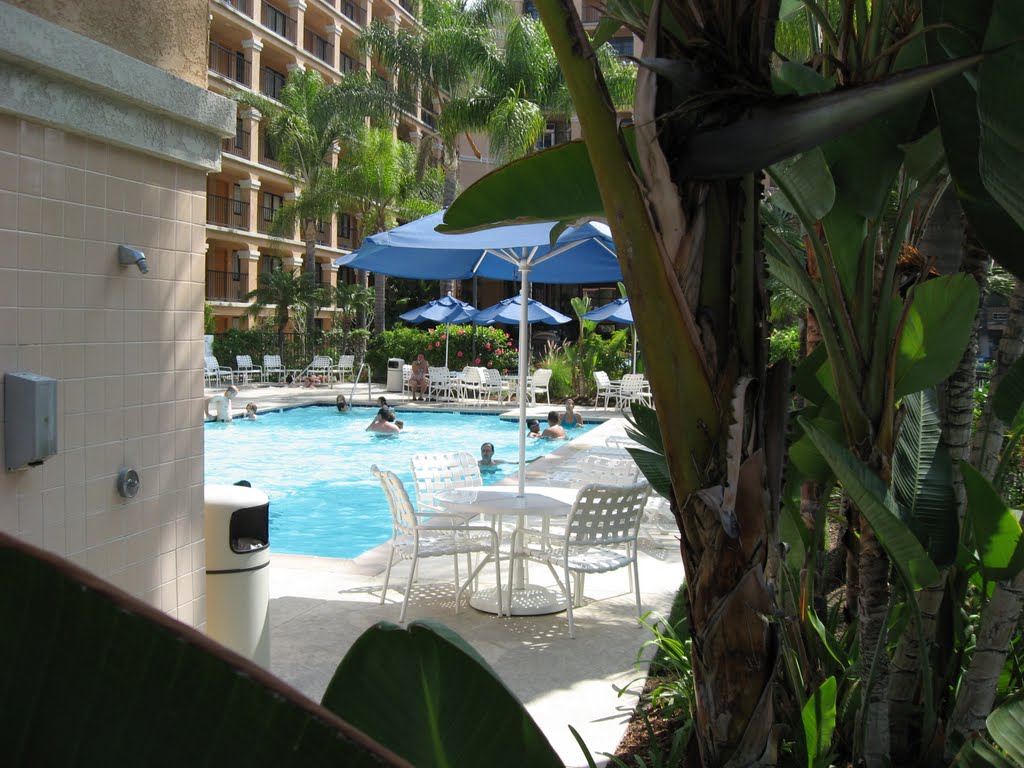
[1009, 394]
[807, 379]
[804, 454]
[875, 502]
[922, 478]
[937, 329]
[809, 180]
[845, 232]
[963, 26]
[1006, 726]
[92, 676]
[819, 720]
[997, 533]
[654, 468]
[1000, 111]
[432, 699]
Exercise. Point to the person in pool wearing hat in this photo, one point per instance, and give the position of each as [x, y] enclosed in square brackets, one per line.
[533, 428]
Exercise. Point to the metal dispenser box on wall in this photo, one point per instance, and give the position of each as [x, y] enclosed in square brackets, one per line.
[30, 419]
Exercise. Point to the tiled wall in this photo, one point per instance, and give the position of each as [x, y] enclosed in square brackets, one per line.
[125, 348]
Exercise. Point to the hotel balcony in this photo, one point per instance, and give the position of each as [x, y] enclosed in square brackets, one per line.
[230, 64]
[276, 20]
[316, 45]
[224, 286]
[225, 212]
[239, 145]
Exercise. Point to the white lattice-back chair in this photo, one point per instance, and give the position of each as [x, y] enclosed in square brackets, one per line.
[346, 365]
[272, 366]
[493, 384]
[406, 375]
[433, 472]
[472, 383]
[633, 387]
[606, 388]
[215, 373]
[439, 383]
[600, 536]
[538, 383]
[322, 366]
[415, 536]
[245, 367]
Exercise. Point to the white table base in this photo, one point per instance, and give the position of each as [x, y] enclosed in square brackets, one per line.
[528, 600]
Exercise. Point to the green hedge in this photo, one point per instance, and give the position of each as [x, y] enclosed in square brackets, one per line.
[493, 348]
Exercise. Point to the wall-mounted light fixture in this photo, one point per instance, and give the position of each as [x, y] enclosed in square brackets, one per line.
[127, 483]
[128, 256]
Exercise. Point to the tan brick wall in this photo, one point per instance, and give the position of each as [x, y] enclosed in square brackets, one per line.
[126, 351]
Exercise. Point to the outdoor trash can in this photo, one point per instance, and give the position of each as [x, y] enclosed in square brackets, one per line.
[237, 572]
[395, 374]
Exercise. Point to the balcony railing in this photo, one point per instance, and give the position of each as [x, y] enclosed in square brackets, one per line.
[592, 14]
[225, 212]
[245, 6]
[354, 11]
[238, 145]
[225, 286]
[265, 219]
[428, 117]
[231, 64]
[280, 22]
[322, 237]
[319, 47]
[348, 64]
[267, 155]
[409, 5]
[271, 83]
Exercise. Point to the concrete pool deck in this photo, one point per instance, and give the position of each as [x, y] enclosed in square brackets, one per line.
[319, 606]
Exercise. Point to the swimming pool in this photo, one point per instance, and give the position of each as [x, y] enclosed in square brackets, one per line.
[314, 464]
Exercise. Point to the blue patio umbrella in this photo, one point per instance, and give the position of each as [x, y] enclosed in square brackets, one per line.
[447, 310]
[619, 312]
[584, 254]
[510, 311]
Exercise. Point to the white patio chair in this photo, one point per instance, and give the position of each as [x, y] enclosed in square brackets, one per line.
[406, 375]
[600, 536]
[633, 388]
[472, 383]
[439, 383]
[538, 383]
[416, 536]
[215, 373]
[606, 388]
[244, 367]
[346, 365]
[493, 384]
[272, 367]
[322, 366]
[433, 472]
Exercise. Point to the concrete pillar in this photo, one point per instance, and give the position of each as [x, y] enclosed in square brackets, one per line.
[251, 192]
[298, 12]
[332, 33]
[251, 123]
[254, 47]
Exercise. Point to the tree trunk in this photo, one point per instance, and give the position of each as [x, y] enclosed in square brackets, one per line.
[957, 405]
[872, 609]
[380, 301]
[364, 280]
[309, 268]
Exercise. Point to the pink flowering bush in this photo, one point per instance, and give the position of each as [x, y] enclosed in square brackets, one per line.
[481, 345]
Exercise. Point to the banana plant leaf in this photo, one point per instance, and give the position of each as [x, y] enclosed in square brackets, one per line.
[922, 478]
[1006, 726]
[875, 502]
[819, 720]
[935, 334]
[997, 533]
[93, 676]
[434, 700]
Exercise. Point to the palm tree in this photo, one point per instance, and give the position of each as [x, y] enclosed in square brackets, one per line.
[351, 299]
[312, 121]
[440, 60]
[283, 290]
[378, 179]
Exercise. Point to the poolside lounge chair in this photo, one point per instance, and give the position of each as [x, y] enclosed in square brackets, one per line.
[633, 388]
[272, 367]
[471, 384]
[418, 535]
[322, 366]
[406, 376]
[600, 536]
[606, 388]
[493, 384]
[538, 383]
[346, 365]
[214, 373]
[245, 368]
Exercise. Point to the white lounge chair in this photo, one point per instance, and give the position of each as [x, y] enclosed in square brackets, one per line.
[416, 535]
[538, 383]
[346, 365]
[600, 536]
[244, 367]
[272, 366]
[214, 373]
[322, 366]
[606, 388]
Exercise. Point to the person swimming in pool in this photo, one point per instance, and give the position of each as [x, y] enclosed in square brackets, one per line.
[385, 423]
[342, 404]
[487, 461]
[571, 419]
[533, 428]
[554, 431]
[221, 404]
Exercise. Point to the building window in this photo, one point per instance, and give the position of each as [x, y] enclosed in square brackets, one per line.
[236, 266]
[622, 45]
[270, 263]
[344, 226]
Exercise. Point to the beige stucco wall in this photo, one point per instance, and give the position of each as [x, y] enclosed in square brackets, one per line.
[169, 35]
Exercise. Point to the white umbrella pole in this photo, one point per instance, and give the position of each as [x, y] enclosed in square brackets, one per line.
[448, 332]
[524, 369]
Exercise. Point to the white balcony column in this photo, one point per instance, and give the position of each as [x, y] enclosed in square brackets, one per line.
[253, 48]
[296, 65]
[332, 33]
[251, 189]
[415, 137]
[298, 12]
[251, 275]
[251, 123]
[297, 233]
[292, 262]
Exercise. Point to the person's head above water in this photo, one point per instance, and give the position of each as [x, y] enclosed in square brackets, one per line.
[553, 417]
[382, 401]
[341, 402]
[533, 426]
[231, 391]
[386, 414]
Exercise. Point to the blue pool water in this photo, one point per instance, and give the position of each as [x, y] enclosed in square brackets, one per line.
[314, 464]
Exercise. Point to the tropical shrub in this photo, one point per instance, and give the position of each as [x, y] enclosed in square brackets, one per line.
[561, 360]
[493, 348]
[785, 343]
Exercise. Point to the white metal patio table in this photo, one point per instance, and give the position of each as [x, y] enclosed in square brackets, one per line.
[496, 501]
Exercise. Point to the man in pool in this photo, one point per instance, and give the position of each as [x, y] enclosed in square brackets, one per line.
[384, 423]
[555, 431]
[487, 461]
[221, 404]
